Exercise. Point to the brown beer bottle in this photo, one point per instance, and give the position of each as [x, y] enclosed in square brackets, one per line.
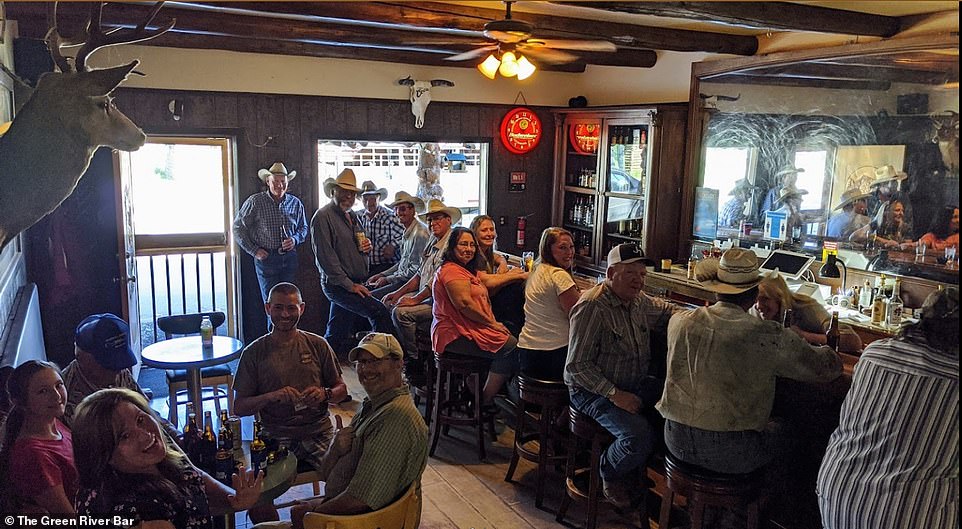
[258, 450]
[832, 335]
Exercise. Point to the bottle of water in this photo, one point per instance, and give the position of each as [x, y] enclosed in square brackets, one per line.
[206, 332]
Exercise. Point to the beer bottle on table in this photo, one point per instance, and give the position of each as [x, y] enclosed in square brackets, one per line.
[225, 430]
[832, 335]
[191, 437]
[208, 445]
[258, 450]
[224, 462]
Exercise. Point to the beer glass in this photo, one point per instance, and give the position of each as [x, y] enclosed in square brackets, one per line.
[527, 258]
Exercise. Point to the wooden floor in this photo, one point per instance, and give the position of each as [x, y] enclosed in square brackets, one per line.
[461, 492]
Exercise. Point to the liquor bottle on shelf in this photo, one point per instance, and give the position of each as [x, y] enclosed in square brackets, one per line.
[878, 309]
[832, 335]
[893, 313]
[865, 296]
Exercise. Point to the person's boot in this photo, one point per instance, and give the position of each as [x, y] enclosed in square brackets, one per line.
[619, 492]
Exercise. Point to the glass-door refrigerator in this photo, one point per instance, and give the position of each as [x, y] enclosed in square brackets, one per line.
[625, 185]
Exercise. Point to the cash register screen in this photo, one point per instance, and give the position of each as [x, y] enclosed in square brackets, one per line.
[790, 264]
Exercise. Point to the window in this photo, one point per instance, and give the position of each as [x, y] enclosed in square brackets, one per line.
[726, 165]
[394, 166]
[813, 178]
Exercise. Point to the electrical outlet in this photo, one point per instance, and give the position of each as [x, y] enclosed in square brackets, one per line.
[503, 220]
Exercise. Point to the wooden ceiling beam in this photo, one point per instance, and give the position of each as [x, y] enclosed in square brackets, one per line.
[850, 72]
[763, 15]
[803, 82]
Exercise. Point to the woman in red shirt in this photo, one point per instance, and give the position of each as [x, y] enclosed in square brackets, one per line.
[463, 320]
[37, 448]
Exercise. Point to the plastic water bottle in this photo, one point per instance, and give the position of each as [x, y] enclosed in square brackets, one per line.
[206, 332]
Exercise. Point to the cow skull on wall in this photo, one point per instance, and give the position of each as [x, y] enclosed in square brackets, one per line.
[421, 96]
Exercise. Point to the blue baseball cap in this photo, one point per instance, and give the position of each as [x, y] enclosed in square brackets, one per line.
[107, 338]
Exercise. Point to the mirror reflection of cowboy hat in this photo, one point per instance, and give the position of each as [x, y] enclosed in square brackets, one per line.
[887, 173]
[370, 188]
[740, 185]
[277, 169]
[851, 195]
[790, 191]
[345, 180]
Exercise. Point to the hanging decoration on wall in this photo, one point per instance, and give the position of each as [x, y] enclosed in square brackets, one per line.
[584, 137]
[429, 173]
[520, 130]
[421, 96]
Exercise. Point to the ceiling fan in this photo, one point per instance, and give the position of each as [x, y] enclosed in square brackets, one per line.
[511, 35]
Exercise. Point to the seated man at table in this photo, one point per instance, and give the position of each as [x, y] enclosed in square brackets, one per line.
[722, 366]
[607, 370]
[372, 462]
[288, 377]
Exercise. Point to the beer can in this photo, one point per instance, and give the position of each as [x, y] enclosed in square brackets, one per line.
[234, 423]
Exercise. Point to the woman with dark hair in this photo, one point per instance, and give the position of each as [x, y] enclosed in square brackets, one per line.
[889, 229]
[463, 320]
[944, 232]
[549, 294]
[37, 448]
[128, 467]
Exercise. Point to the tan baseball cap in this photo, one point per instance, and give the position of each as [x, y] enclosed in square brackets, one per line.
[378, 344]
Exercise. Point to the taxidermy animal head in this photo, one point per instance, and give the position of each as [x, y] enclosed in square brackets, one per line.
[67, 117]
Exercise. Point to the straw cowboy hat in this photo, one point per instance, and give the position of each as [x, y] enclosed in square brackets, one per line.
[345, 180]
[370, 188]
[789, 191]
[402, 196]
[887, 173]
[740, 184]
[851, 195]
[734, 273]
[436, 206]
[279, 169]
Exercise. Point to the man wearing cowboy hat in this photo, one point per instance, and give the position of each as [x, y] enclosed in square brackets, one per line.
[722, 365]
[269, 226]
[340, 253]
[789, 202]
[733, 212]
[852, 215]
[884, 187]
[413, 243]
[608, 368]
[382, 226]
[412, 302]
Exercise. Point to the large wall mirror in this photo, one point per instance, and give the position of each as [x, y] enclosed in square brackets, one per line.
[856, 145]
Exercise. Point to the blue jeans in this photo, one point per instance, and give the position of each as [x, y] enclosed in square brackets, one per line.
[346, 306]
[736, 452]
[275, 268]
[634, 437]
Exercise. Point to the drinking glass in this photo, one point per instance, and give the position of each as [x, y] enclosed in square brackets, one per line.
[950, 256]
[528, 259]
[920, 251]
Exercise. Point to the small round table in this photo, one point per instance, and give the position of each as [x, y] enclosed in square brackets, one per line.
[187, 352]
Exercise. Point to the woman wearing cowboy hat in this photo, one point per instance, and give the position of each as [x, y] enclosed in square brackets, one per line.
[269, 226]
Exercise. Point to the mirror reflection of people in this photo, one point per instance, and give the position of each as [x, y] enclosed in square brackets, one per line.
[850, 214]
[789, 202]
[884, 188]
[784, 178]
[944, 232]
[733, 212]
[808, 318]
[889, 229]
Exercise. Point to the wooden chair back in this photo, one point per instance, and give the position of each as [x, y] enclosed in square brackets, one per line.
[184, 324]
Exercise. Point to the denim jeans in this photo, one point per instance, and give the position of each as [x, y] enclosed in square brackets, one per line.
[414, 330]
[275, 268]
[737, 452]
[346, 306]
[379, 293]
[634, 437]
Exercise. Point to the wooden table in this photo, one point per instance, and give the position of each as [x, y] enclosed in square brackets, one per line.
[188, 353]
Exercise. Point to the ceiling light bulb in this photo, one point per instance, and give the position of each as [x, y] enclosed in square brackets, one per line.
[525, 68]
[509, 64]
[489, 68]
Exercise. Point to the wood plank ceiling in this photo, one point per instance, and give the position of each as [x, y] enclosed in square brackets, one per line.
[428, 32]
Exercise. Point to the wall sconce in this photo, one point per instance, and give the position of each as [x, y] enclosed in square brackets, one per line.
[510, 64]
[176, 108]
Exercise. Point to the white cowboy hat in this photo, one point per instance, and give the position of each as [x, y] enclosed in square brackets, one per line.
[789, 191]
[734, 273]
[278, 169]
[402, 196]
[370, 188]
[345, 180]
[887, 173]
[851, 195]
[436, 206]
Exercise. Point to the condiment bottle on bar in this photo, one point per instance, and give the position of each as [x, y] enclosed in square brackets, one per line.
[832, 335]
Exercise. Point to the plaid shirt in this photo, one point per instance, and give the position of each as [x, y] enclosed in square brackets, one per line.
[260, 220]
[384, 229]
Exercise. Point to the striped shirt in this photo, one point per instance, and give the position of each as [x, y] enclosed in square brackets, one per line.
[261, 221]
[893, 462]
[79, 386]
[389, 451]
[413, 243]
[610, 340]
[384, 229]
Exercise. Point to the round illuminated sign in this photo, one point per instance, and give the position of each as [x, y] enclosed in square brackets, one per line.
[520, 130]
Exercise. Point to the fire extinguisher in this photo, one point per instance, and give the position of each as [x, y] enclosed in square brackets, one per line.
[522, 223]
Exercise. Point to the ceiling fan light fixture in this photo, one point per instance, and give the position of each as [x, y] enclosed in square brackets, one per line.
[525, 68]
[489, 68]
[509, 64]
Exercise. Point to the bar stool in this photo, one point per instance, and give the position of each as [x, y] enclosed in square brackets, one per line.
[584, 428]
[552, 397]
[447, 400]
[703, 487]
[426, 391]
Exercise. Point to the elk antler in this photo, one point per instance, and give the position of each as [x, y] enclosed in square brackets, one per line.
[54, 41]
[96, 38]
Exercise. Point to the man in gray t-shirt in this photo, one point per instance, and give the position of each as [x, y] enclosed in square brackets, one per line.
[288, 377]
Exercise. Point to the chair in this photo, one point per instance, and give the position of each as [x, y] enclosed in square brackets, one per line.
[703, 487]
[211, 377]
[404, 513]
[305, 474]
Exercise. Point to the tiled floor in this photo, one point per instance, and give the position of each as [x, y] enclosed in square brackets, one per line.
[461, 492]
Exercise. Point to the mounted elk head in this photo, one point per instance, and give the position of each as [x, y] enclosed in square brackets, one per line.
[421, 96]
[68, 116]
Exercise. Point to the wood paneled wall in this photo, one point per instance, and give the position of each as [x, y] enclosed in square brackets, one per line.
[296, 123]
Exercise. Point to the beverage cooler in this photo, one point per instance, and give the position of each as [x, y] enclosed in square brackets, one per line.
[603, 181]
